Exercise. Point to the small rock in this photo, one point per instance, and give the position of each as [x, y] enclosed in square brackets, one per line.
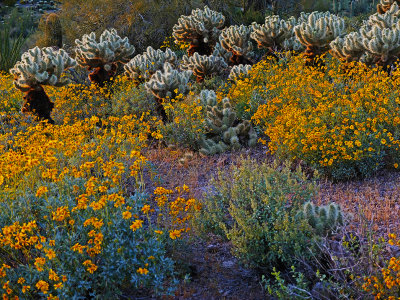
[228, 264]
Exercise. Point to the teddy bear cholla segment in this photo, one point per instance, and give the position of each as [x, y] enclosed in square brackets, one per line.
[102, 57]
[40, 67]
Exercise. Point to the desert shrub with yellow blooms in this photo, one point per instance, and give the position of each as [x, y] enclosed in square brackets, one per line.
[386, 284]
[75, 220]
[342, 120]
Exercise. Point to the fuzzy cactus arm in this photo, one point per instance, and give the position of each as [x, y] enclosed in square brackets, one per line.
[143, 66]
[41, 67]
[203, 24]
[272, 33]
[164, 83]
[239, 72]
[110, 49]
[203, 66]
[319, 29]
[236, 39]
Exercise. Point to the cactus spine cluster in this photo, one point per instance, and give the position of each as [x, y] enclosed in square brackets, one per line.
[102, 57]
[317, 32]
[40, 67]
[143, 66]
[225, 132]
[236, 39]
[203, 66]
[201, 29]
[385, 5]
[275, 34]
[239, 72]
[167, 84]
[324, 219]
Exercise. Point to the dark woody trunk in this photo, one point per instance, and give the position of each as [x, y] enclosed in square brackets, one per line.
[100, 76]
[38, 103]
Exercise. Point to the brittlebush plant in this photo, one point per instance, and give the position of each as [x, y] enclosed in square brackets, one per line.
[69, 225]
[386, 284]
[341, 120]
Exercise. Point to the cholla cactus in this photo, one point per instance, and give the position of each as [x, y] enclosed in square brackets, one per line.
[201, 29]
[273, 33]
[143, 66]
[221, 52]
[349, 48]
[385, 5]
[40, 67]
[225, 132]
[102, 57]
[324, 219]
[203, 65]
[167, 83]
[317, 32]
[377, 42]
[236, 39]
[239, 72]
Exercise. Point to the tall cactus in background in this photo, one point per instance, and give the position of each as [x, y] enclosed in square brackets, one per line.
[167, 84]
[102, 57]
[52, 29]
[201, 29]
[317, 32]
[236, 39]
[40, 67]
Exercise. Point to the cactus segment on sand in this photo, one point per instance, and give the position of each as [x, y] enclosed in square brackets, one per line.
[101, 57]
[201, 29]
[236, 39]
[167, 84]
[317, 32]
[225, 132]
[203, 66]
[40, 67]
[324, 219]
[143, 66]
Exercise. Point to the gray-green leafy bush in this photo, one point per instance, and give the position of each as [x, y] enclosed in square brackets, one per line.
[254, 205]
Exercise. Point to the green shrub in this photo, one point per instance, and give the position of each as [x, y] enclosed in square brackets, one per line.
[254, 205]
